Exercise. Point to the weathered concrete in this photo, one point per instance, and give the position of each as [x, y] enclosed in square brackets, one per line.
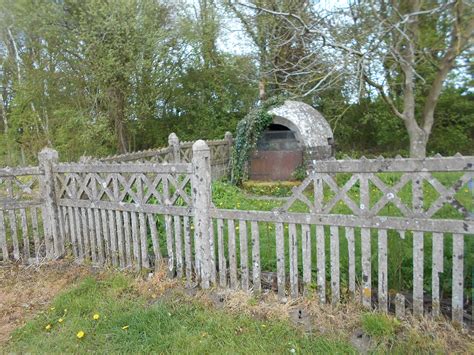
[310, 127]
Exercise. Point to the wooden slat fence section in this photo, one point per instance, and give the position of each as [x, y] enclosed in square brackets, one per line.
[136, 214]
[21, 196]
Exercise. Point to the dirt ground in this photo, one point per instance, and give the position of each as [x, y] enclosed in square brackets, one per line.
[26, 290]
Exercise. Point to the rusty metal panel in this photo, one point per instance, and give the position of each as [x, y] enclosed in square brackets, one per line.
[274, 165]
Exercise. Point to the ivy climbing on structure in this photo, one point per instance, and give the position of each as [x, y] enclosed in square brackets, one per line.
[249, 130]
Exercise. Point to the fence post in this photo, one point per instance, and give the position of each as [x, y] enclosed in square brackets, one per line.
[173, 143]
[201, 192]
[230, 141]
[53, 240]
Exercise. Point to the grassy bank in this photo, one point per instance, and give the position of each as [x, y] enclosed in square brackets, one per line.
[127, 321]
[123, 313]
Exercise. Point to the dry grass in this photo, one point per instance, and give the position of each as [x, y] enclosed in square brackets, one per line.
[27, 290]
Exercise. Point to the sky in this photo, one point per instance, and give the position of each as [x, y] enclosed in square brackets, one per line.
[233, 38]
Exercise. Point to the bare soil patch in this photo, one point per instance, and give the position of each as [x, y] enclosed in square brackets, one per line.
[27, 290]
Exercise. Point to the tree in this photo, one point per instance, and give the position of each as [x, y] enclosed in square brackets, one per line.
[404, 50]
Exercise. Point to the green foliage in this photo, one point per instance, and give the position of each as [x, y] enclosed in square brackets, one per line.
[379, 325]
[368, 128]
[248, 132]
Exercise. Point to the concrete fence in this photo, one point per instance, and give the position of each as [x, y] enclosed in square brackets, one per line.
[333, 237]
[179, 152]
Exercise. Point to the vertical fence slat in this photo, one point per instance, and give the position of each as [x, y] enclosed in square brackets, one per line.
[438, 251]
[187, 250]
[321, 263]
[79, 239]
[14, 234]
[306, 253]
[335, 269]
[154, 239]
[366, 268]
[62, 230]
[120, 238]
[212, 254]
[135, 241]
[458, 277]
[256, 270]
[72, 229]
[99, 237]
[232, 254]
[128, 239]
[418, 246]
[365, 240]
[143, 239]
[293, 254]
[280, 254]
[418, 273]
[24, 234]
[221, 254]
[36, 239]
[169, 244]
[92, 236]
[178, 245]
[382, 272]
[85, 234]
[3, 237]
[113, 237]
[351, 256]
[244, 254]
[105, 233]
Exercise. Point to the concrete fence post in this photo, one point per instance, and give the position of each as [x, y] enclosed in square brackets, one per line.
[201, 192]
[173, 143]
[53, 240]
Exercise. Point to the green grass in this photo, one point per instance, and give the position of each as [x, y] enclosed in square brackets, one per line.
[379, 325]
[400, 251]
[170, 325]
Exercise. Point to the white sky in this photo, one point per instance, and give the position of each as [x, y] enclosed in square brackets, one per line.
[233, 38]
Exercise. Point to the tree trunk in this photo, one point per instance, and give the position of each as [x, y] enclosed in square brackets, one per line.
[117, 117]
[418, 141]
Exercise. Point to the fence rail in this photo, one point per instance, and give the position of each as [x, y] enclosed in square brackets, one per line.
[179, 152]
[337, 235]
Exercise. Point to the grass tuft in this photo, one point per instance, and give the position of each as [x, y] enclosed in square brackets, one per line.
[379, 325]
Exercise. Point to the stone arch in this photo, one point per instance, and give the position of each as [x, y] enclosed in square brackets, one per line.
[309, 126]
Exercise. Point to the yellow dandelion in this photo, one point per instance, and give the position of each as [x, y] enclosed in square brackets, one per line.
[125, 327]
[264, 326]
[48, 327]
[80, 334]
[96, 316]
[52, 309]
[60, 320]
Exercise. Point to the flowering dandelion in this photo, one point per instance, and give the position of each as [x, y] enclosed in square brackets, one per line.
[48, 327]
[96, 316]
[60, 320]
[125, 327]
[80, 334]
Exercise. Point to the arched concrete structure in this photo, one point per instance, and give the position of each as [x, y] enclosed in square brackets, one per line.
[310, 127]
[279, 152]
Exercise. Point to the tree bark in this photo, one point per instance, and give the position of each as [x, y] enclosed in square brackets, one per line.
[418, 140]
[117, 117]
